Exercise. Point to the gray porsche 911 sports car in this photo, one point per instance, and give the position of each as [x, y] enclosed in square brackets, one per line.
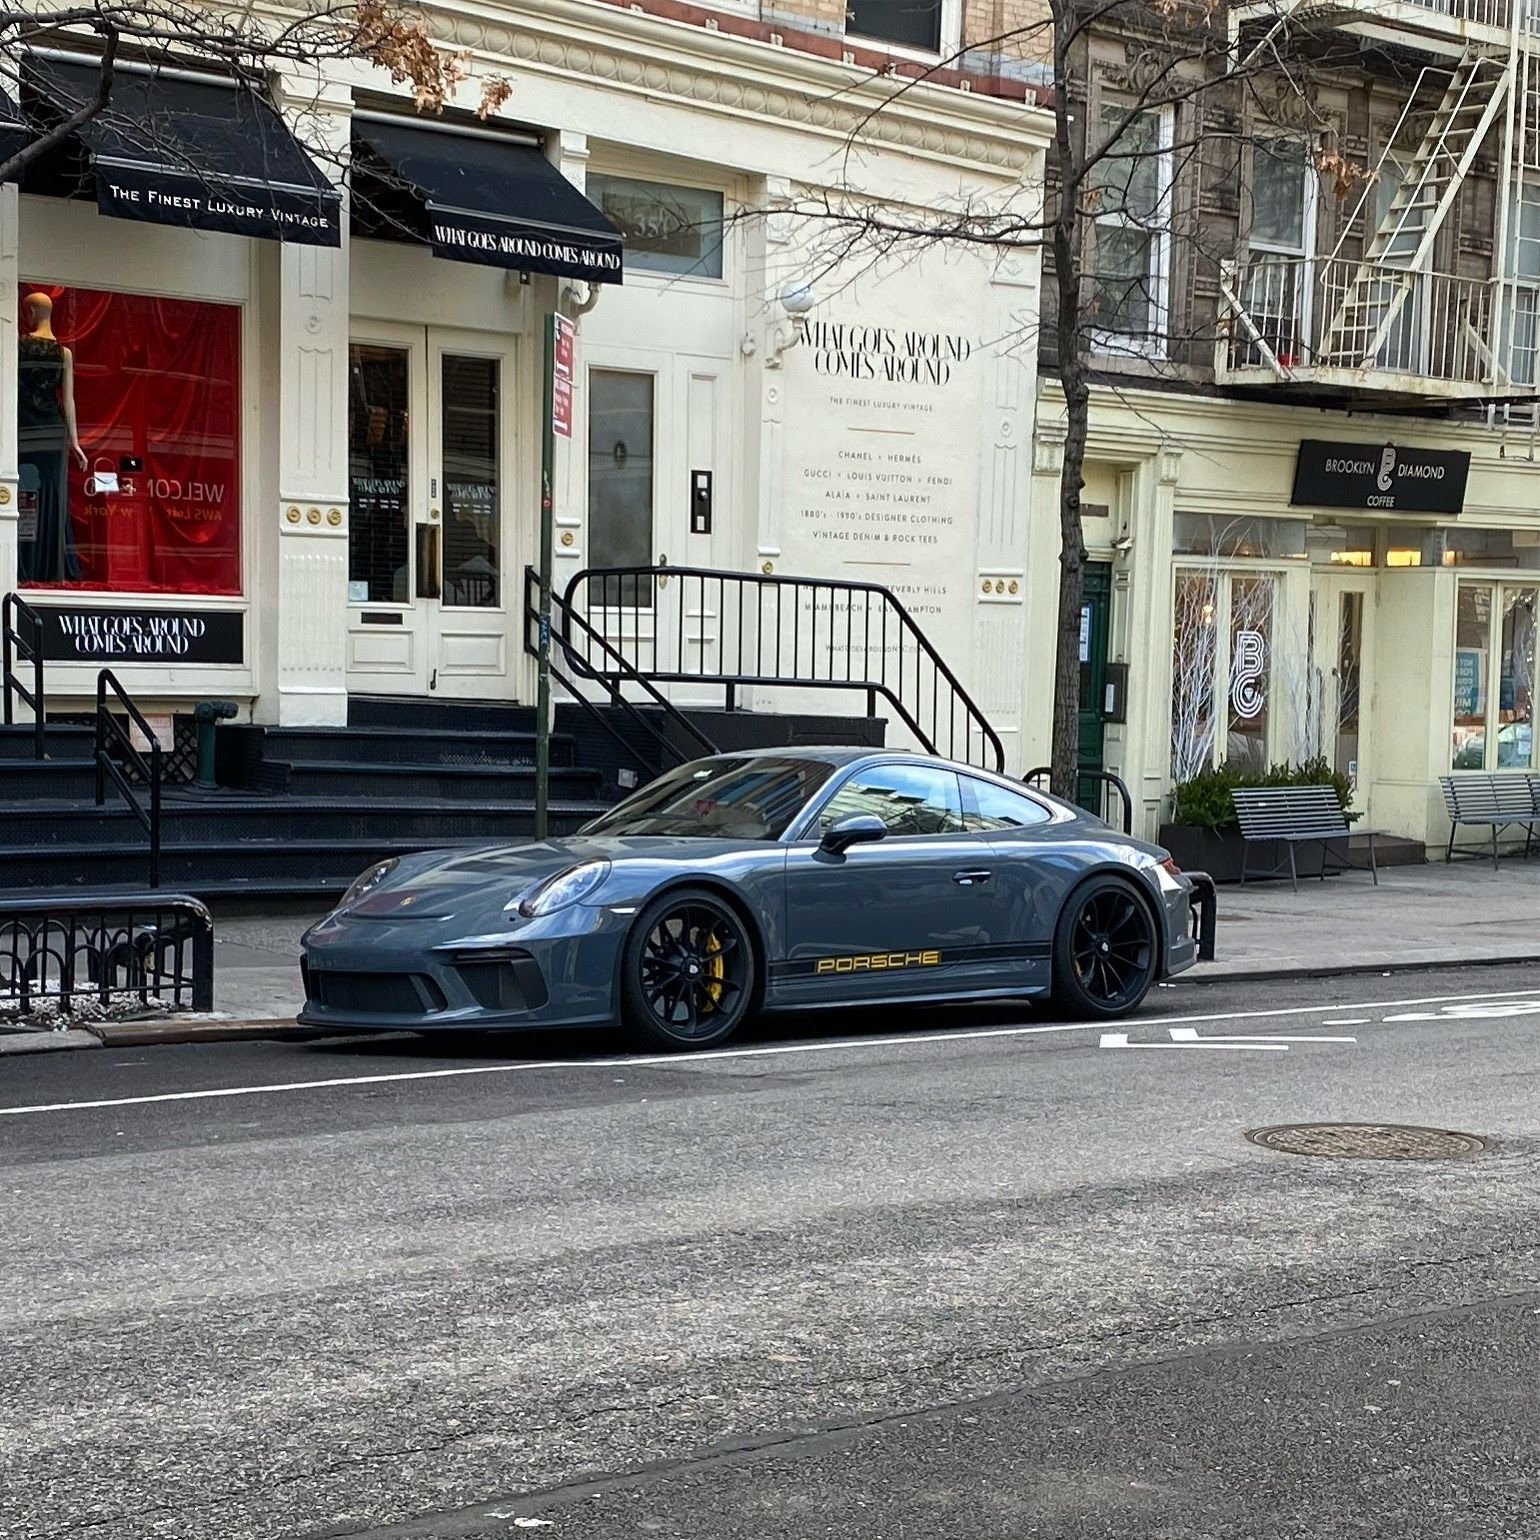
[773, 880]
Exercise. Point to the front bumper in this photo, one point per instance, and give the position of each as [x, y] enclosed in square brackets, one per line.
[363, 975]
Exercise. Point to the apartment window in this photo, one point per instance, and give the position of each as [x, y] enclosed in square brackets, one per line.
[1494, 677]
[928, 26]
[1130, 269]
[1521, 315]
[1281, 242]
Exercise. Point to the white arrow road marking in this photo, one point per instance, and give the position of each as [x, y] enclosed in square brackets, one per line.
[1241, 1042]
[1120, 1040]
[1190, 1035]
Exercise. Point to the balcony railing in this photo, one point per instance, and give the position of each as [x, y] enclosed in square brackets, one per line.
[1451, 20]
[1334, 320]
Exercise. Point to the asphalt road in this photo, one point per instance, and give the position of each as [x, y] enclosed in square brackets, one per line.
[990, 1275]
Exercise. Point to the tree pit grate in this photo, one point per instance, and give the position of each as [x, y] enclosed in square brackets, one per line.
[1366, 1141]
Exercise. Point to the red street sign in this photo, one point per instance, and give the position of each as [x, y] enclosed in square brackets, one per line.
[561, 406]
[561, 378]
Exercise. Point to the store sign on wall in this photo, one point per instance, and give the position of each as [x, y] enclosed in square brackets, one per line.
[79, 633]
[1380, 476]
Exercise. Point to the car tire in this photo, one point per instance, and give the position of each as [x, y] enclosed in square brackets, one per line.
[1106, 950]
[687, 971]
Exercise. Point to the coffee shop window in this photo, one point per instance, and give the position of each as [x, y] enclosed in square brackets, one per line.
[128, 442]
[1494, 677]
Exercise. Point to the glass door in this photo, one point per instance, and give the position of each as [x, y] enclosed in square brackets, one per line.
[463, 545]
[430, 440]
[1343, 645]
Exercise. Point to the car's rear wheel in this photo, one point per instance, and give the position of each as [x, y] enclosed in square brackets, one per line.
[687, 976]
[1105, 949]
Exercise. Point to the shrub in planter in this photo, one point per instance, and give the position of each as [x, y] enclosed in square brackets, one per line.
[1205, 801]
[1203, 833]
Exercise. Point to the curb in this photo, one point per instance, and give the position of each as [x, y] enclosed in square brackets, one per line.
[142, 1034]
[1348, 970]
[170, 1030]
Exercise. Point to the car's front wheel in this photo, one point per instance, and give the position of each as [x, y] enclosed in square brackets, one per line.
[687, 975]
[1104, 949]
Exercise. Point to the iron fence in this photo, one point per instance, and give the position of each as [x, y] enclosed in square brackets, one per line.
[145, 948]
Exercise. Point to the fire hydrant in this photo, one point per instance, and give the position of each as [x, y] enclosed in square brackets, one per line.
[206, 714]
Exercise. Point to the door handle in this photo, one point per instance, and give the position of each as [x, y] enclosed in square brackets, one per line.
[970, 879]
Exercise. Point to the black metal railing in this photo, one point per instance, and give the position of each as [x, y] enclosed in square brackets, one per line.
[1096, 791]
[119, 760]
[650, 749]
[748, 629]
[144, 949]
[17, 648]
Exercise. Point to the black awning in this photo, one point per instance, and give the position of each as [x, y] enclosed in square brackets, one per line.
[481, 200]
[209, 156]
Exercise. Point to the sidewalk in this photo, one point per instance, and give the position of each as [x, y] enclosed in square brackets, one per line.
[1419, 915]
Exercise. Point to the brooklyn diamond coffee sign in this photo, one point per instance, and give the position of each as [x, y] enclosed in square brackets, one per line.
[1374, 477]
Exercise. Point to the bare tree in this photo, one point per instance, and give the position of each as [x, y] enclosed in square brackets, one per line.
[1170, 125]
[238, 41]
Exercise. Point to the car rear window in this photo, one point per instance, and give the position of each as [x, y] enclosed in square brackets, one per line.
[727, 798]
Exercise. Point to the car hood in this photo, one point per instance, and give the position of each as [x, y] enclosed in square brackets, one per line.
[433, 884]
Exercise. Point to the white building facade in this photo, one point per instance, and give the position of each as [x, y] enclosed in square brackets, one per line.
[310, 468]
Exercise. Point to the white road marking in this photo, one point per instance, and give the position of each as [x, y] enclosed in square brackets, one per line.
[1190, 1035]
[1493, 1010]
[1120, 1040]
[678, 1061]
[1348, 1021]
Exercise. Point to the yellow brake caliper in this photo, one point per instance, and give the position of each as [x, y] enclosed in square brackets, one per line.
[716, 968]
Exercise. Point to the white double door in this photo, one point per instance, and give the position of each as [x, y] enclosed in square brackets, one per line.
[433, 592]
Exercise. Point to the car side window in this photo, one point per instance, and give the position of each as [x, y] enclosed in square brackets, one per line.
[998, 807]
[909, 799]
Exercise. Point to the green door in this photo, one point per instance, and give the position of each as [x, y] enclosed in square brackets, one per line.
[1095, 624]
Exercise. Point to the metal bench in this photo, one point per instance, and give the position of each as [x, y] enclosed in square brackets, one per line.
[1503, 801]
[1294, 815]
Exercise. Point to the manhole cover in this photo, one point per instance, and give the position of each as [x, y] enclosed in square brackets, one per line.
[1366, 1141]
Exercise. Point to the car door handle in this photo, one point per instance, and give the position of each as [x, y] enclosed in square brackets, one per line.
[970, 879]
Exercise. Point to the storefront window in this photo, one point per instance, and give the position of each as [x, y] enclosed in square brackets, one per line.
[128, 428]
[1251, 665]
[1208, 534]
[1494, 732]
[668, 229]
[1517, 550]
[1222, 641]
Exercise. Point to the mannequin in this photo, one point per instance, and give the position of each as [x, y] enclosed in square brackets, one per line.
[45, 414]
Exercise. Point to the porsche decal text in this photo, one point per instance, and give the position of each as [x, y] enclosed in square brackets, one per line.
[878, 962]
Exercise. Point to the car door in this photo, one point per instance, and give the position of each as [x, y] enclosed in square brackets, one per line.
[1027, 877]
[906, 914]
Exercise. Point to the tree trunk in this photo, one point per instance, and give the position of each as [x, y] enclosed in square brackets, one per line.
[1065, 755]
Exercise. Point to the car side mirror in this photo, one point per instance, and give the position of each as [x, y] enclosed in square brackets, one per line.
[854, 829]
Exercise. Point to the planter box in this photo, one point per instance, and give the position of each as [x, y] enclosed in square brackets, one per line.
[1218, 852]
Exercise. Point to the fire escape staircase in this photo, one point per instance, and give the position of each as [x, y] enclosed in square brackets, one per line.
[1399, 249]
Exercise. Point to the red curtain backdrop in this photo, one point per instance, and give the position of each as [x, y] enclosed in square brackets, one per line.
[157, 381]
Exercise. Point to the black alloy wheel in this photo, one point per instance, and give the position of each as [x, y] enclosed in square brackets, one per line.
[1104, 949]
[688, 971]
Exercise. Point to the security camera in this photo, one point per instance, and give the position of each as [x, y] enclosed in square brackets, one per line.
[1123, 544]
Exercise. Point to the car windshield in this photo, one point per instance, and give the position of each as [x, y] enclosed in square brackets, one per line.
[746, 799]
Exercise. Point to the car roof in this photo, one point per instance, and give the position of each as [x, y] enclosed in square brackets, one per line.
[851, 754]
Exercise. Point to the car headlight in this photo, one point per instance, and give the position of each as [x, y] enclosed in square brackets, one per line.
[564, 889]
[367, 881]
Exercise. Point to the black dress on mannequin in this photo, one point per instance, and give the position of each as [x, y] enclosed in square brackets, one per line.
[43, 443]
